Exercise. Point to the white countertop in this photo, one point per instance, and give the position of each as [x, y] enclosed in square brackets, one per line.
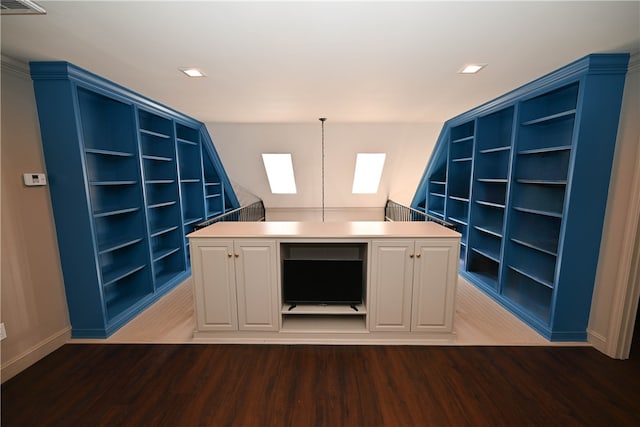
[355, 229]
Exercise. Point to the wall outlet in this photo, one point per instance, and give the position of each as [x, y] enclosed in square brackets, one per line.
[33, 179]
[3, 332]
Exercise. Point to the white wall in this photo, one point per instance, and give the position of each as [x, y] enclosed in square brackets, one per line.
[34, 307]
[614, 275]
[408, 147]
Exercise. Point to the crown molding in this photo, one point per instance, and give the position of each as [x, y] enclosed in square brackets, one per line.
[15, 66]
[634, 62]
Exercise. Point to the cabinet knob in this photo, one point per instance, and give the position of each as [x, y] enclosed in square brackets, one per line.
[411, 256]
[237, 255]
[229, 255]
[417, 255]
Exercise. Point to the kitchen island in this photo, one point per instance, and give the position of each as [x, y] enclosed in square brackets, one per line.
[325, 282]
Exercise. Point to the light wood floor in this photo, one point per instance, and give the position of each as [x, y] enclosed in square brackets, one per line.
[479, 321]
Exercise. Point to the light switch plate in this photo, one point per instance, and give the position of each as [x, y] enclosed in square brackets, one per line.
[34, 179]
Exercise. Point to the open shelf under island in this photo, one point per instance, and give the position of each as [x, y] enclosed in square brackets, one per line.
[331, 282]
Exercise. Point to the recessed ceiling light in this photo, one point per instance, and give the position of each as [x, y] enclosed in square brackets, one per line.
[366, 177]
[471, 68]
[193, 72]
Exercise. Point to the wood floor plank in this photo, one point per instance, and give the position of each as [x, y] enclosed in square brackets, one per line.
[303, 385]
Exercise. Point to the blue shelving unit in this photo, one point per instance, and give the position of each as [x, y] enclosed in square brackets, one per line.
[127, 184]
[525, 177]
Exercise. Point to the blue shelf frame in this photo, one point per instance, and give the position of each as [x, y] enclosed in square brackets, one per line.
[559, 307]
[103, 290]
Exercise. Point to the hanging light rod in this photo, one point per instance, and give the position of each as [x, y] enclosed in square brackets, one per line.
[322, 120]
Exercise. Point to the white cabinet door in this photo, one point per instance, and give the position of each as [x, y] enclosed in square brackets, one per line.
[391, 279]
[257, 285]
[435, 277]
[214, 285]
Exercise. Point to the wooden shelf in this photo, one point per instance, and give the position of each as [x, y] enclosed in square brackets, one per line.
[533, 277]
[493, 180]
[551, 118]
[162, 204]
[545, 246]
[186, 141]
[545, 150]
[111, 246]
[458, 220]
[538, 212]
[304, 309]
[489, 230]
[157, 158]
[162, 231]
[158, 255]
[487, 254]
[112, 183]
[490, 204]
[111, 277]
[543, 181]
[189, 221]
[155, 134]
[108, 152]
[102, 214]
[466, 138]
[494, 150]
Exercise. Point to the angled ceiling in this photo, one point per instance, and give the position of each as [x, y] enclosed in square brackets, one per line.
[296, 61]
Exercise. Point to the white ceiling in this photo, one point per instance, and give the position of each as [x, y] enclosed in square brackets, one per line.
[297, 61]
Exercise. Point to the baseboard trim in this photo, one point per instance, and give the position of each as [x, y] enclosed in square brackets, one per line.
[598, 341]
[34, 354]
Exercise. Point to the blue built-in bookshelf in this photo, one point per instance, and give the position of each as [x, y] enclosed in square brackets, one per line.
[128, 178]
[525, 179]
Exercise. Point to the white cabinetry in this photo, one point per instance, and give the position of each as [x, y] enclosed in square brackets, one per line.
[413, 285]
[236, 285]
[257, 285]
[408, 292]
[435, 275]
[391, 284]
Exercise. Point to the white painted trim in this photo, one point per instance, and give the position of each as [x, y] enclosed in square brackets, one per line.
[326, 338]
[21, 362]
[631, 306]
[624, 304]
[598, 341]
[634, 62]
[625, 300]
[15, 66]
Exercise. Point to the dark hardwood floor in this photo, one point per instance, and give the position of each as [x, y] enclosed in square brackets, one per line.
[278, 385]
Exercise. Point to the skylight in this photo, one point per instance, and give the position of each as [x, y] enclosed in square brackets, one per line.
[366, 178]
[279, 169]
